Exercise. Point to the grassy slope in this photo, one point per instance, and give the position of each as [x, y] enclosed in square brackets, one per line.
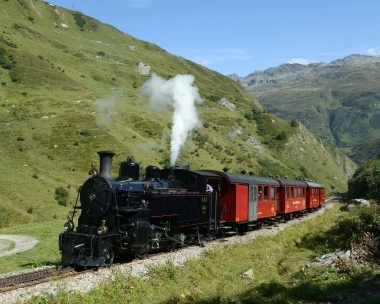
[79, 93]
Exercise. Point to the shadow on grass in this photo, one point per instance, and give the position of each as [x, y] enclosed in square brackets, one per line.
[360, 289]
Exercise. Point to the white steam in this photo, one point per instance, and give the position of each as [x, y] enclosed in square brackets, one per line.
[181, 95]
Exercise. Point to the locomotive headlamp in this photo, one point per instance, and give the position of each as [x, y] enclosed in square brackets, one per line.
[69, 225]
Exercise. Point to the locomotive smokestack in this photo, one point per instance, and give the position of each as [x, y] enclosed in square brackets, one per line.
[105, 163]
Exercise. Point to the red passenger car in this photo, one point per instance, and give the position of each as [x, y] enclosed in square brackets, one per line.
[315, 195]
[292, 197]
[247, 199]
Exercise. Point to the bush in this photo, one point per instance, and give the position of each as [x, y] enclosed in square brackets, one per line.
[281, 136]
[16, 77]
[349, 228]
[79, 20]
[61, 196]
[85, 133]
[294, 123]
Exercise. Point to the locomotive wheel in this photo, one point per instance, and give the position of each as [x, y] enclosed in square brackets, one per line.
[109, 256]
[143, 252]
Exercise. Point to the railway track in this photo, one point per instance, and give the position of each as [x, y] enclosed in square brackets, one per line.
[37, 277]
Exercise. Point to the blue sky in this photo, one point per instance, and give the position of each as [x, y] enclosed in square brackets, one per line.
[243, 36]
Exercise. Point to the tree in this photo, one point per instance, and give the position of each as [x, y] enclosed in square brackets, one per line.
[365, 183]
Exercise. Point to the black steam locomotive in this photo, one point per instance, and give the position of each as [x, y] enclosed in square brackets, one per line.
[167, 209]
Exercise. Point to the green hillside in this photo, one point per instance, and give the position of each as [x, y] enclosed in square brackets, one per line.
[71, 86]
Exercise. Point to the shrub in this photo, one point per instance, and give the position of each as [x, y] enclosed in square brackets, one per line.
[281, 136]
[79, 20]
[248, 116]
[351, 227]
[15, 77]
[85, 133]
[61, 196]
[294, 123]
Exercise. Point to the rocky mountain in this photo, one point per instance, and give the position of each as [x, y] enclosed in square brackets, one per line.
[338, 101]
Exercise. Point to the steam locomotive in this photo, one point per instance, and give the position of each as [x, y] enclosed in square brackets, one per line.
[172, 208]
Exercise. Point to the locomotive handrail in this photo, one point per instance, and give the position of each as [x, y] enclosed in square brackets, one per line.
[76, 202]
[91, 248]
[126, 210]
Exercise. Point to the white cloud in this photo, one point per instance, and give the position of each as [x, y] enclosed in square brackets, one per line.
[303, 61]
[205, 62]
[223, 54]
[375, 51]
[234, 54]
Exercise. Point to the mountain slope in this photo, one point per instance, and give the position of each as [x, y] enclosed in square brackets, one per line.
[71, 86]
[339, 101]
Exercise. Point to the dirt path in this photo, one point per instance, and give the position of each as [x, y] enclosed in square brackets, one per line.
[21, 243]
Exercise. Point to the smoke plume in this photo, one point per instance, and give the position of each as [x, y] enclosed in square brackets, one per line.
[179, 94]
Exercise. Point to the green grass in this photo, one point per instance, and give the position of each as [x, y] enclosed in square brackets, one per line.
[44, 253]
